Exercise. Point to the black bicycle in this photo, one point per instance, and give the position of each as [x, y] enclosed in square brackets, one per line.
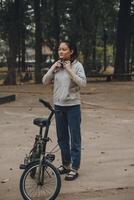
[40, 179]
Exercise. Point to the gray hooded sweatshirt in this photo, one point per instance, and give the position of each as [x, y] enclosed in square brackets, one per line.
[66, 87]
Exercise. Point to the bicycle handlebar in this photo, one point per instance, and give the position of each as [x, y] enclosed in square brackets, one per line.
[46, 104]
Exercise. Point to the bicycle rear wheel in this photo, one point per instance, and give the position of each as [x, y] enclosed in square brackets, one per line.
[44, 185]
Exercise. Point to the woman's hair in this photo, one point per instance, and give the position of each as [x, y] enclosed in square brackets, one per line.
[72, 47]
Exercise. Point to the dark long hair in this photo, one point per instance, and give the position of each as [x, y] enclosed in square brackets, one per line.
[72, 47]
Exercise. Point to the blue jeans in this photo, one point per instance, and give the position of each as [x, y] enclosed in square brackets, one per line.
[68, 119]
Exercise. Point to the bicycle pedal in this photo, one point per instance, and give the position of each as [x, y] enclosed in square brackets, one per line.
[22, 166]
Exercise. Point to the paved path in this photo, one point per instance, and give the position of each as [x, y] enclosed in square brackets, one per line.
[107, 140]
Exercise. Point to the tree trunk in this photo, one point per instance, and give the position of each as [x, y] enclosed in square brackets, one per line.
[132, 53]
[56, 29]
[122, 40]
[22, 30]
[13, 45]
[94, 63]
[86, 54]
[11, 60]
[128, 51]
[38, 41]
[23, 47]
[105, 49]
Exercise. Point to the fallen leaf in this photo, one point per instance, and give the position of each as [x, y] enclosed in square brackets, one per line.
[5, 180]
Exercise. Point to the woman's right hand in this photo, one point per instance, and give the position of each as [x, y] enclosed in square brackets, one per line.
[56, 66]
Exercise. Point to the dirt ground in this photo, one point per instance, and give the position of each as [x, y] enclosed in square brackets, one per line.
[107, 168]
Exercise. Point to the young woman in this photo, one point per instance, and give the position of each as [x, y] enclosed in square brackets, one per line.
[68, 75]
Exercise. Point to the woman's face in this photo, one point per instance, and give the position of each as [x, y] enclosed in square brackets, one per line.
[64, 51]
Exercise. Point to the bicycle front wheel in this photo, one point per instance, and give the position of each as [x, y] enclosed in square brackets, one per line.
[44, 185]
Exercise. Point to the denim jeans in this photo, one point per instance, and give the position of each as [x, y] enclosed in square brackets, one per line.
[68, 119]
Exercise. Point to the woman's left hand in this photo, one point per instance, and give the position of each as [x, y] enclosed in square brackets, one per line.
[67, 64]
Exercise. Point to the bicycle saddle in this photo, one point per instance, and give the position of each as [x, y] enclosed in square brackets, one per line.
[42, 122]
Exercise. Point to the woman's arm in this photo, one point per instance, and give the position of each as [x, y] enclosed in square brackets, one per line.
[48, 76]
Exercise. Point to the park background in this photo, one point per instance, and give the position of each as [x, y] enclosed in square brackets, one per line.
[30, 32]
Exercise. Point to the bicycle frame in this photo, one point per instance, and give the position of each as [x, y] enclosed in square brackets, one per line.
[39, 169]
[40, 137]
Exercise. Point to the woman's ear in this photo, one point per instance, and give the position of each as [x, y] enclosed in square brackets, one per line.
[72, 52]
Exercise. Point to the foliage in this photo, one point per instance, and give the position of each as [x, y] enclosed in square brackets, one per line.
[91, 24]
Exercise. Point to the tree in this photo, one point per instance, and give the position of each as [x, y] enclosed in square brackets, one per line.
[38, 41]
[33, 23]
[12, 31]
[21, 35]
[12, 34]
[123, 34]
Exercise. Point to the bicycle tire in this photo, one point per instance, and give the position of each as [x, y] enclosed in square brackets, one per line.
[51, 178]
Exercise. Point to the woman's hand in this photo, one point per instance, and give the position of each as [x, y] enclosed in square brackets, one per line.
[56, 66]
[67, 65]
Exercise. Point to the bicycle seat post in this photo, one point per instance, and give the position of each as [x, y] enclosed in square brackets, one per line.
[45, 137]
[40, 131]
